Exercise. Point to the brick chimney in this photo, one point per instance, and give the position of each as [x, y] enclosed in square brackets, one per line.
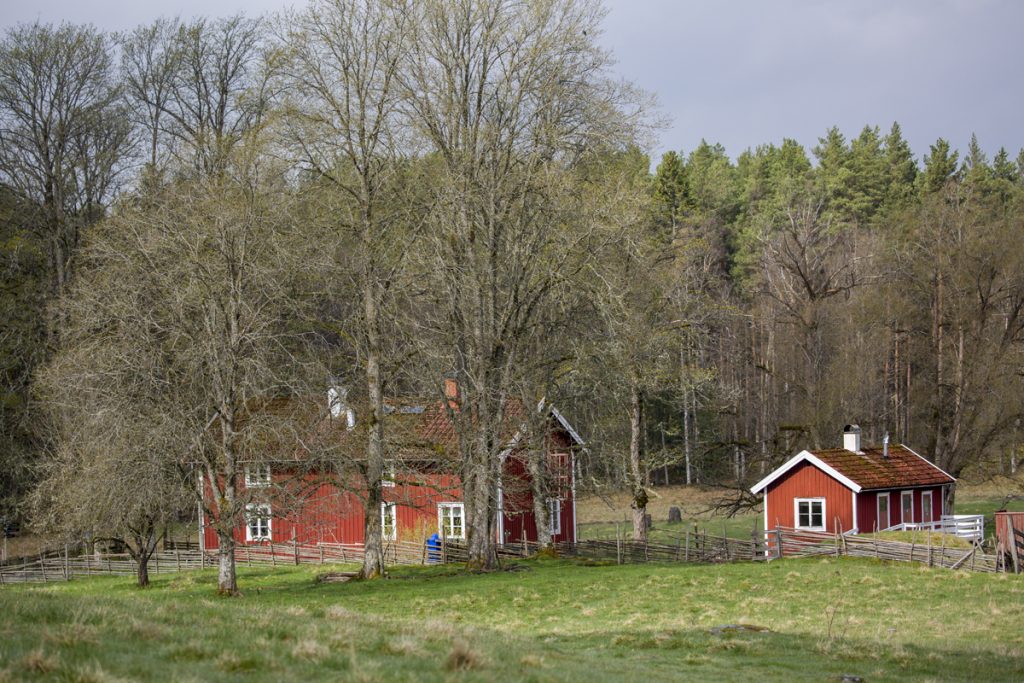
[451, 392]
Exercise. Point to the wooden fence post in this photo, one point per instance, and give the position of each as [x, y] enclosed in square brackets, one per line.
[1013, 545]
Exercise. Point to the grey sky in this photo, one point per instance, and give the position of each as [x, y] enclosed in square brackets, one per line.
[747, 72]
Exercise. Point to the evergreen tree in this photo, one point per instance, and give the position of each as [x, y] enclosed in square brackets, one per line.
[671, 189]
[1003, 168]
[902, 167]
[869, 178]
[940, 165]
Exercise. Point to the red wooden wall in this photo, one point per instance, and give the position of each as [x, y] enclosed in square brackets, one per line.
[867, 506]
[807, 481]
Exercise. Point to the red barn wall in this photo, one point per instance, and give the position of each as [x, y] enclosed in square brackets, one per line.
[807, 481]
[518, 518]
[324, 512]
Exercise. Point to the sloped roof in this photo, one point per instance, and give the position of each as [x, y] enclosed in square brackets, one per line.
[294, 427]
[868, 469]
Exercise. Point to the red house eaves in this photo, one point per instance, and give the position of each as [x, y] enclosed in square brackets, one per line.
[867, 469]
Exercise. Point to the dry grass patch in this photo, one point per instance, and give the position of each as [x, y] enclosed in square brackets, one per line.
[462, 657]
[39, 662]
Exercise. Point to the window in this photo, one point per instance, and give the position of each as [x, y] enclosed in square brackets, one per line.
[451, 520]
[390, 472]
[257, 476]
[883, 511]
[257, 522]
[810, 513]
[388, 521]
[926, 506]
[555, 515]
[907, 500]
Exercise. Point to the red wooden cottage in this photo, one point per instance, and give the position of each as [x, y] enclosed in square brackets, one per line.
[853, 489]
[291, 501]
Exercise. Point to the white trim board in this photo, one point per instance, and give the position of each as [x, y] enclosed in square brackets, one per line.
[932, 464]
[806, 456]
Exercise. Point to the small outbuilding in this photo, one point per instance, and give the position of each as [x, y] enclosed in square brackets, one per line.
[854, 489]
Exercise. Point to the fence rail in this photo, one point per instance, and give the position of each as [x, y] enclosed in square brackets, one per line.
[970, 527]
[788, 542]
[693, 547]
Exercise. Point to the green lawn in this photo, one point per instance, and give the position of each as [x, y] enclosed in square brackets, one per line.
[551, 621]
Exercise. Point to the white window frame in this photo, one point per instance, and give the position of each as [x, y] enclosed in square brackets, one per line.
[260, 513]
[796, 514]
[389, 473]
[389, 532]
[888, 511]
[257, 476]
[442, 529]
[927, 510]
[903, 517]
[555, 515]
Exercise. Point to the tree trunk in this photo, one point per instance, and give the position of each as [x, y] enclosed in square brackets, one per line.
[538, 477]
[227, 578]
[639, 503]
[373, 559]
[142, 575]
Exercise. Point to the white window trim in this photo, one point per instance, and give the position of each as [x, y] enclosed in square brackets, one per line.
[389, 534]
[930, 508]
[555, 515]
[257, 476]
[888, 511]
[258, 511]
[796, 514]
[903, 520]
[389, 473]
[440, 519]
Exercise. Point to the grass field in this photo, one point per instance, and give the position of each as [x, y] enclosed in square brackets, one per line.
[551, 621]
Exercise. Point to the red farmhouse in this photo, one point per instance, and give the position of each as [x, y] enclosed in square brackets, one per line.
[422, 493]
[850, 489]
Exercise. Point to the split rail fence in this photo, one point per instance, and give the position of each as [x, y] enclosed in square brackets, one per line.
[73, 561]
[693, 547]
[789, 542]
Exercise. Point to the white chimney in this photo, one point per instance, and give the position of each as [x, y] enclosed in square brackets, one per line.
[336, 397]
[851, 438]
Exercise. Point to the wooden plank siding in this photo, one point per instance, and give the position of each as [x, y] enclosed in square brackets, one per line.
[807, 481]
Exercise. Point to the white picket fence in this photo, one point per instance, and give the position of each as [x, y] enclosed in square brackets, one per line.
[970, 527]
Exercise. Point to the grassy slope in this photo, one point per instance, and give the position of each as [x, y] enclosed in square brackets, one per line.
[554, 621]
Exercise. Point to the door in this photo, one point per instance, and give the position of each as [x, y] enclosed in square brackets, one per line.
[907, 499]
[926, 507]
[883, 511]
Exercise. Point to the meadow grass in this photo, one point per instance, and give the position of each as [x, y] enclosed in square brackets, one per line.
[552, 620]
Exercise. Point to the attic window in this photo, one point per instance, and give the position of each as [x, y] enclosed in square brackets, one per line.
[389, 474]
[810, 513]
[257, 476]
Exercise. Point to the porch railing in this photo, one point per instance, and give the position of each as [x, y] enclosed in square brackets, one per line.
[970, 527]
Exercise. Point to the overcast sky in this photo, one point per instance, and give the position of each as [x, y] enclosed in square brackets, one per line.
[747, 72]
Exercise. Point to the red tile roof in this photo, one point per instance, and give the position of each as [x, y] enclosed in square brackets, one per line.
[871, 470]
